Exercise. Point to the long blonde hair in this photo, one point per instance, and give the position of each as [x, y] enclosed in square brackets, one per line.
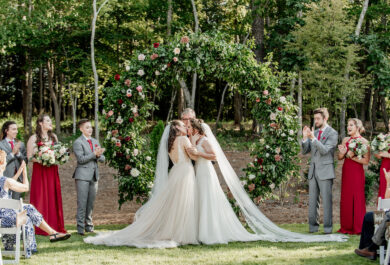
[359, 124]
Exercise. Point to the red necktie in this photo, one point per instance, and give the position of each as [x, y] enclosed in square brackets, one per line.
[319, 135]
[12, 144]
[90, 144]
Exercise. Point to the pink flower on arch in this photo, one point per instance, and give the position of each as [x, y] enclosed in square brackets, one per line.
[127, 82]
[185, 39]
[251, 187]
[265, 92]
[154, 56]
[175, 59]
[139, 88]
[278, 158]
[110, 113]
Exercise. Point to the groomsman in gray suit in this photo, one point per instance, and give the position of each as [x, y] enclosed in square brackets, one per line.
[88, 153]
[321, 143]
[16, 152]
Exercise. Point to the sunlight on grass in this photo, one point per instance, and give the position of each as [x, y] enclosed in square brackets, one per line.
[75, 251]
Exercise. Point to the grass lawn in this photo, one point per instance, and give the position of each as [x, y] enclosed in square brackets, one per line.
[75, 251]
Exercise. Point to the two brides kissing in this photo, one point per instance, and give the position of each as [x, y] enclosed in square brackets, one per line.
[188, 205]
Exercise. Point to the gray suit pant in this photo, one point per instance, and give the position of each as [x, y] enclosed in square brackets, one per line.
[86, 194]
[319, 187]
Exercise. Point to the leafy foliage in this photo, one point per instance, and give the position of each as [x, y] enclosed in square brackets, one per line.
[127, 106]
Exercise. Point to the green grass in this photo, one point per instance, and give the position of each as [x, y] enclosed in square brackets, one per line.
[75, 251]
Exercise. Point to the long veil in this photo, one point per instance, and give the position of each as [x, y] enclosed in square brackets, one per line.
[256, 220]
[162, 166]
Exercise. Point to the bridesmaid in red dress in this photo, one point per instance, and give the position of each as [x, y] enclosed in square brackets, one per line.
[352, 202]
[385, 156]
[45, 192]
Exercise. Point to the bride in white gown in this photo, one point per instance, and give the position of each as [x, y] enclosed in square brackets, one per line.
[169, 218]
[217, 221]
[218, 224]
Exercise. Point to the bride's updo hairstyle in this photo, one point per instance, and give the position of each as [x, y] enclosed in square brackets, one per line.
[197, 125]
[173, 133]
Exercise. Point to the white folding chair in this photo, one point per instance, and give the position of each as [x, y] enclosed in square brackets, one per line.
[16, 205]
[383, 205]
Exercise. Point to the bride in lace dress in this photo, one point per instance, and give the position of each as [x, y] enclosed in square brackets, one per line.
[217, 221]
[169, 218]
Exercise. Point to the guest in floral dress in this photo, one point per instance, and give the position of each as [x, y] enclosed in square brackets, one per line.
[29, 216]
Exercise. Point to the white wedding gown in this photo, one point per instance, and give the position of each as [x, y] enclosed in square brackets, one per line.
[169, 218]
[218, 224]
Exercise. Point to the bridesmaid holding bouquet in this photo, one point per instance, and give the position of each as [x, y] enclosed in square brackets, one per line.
[355, 151]
[45, 192]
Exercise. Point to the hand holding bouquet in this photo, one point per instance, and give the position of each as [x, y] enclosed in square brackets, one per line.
[381, 143]
[358, 147]
[51, 154]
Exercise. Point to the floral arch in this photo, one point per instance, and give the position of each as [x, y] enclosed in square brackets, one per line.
[127, 108]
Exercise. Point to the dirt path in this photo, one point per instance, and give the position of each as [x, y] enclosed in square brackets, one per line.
[106, 206]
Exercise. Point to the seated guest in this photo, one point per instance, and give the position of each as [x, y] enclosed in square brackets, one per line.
[15, 149]
[369, 239]
[30, 216]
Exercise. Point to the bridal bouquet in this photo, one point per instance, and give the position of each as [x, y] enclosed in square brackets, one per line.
[381, 143]
[51, 154]
[358, 147]
[61, 152]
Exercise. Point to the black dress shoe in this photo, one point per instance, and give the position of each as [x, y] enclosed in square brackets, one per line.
[81, 233]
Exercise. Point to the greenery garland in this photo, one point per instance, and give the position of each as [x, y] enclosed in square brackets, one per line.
[127, 108]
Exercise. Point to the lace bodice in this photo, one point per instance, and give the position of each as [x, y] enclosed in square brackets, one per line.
[178, 153]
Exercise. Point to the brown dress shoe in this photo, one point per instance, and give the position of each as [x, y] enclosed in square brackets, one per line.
[366, 253]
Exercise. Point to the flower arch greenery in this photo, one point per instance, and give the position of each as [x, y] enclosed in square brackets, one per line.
[127, 108]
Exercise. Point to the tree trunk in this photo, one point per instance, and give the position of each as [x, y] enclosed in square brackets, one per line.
[53, 95]
[95, 74]
[258, 32]
[292, 87]
[40, 89]
[342, 117]
[221, 107]
[374, 108]
[361, 18]
[180, 101]
[174, 92]
[27, 100]
[169, 18]
[195, 16]
[237, 110]
[300, 105]
[384, 112]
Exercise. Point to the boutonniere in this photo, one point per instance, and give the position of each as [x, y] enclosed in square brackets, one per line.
[323, 138]
[96, 145]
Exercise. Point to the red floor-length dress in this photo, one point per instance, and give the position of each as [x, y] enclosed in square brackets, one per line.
[352, 201]
[45, 195]
[382, 179]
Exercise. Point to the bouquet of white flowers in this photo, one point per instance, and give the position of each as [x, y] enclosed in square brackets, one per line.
[381, 143]
[61, 153]
[51, 154]
[358, 147]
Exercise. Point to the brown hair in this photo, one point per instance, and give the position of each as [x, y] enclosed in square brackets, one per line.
[3, 157]
[5, 128]
[82, 121]
[197, 124]
[173, 133]
[359, 124]
[323, 111]
[38, 129]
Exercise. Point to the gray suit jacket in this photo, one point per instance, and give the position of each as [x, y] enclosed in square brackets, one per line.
[87, 163]
[13, 161]
[322, 154]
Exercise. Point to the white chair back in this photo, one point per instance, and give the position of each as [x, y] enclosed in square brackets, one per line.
[383, 204]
